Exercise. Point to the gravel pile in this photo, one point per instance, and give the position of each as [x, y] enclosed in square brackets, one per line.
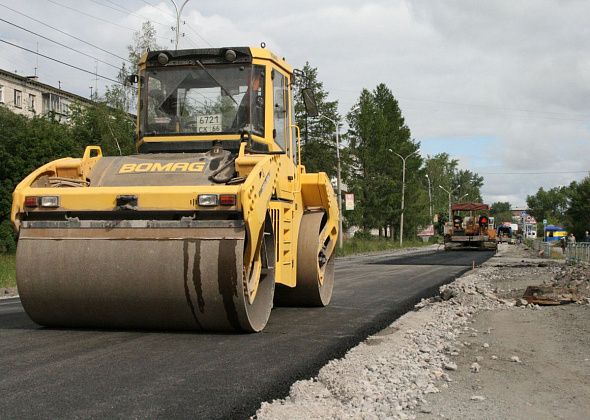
[574, 277]
[392, 372]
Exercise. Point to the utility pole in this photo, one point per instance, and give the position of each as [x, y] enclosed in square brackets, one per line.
[96, 78]
[178, 13]
[338, 179]
[37, 60]
[401, 222]
[450, 193]
[429, 197]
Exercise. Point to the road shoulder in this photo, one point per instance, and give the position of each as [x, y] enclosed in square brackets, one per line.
[468, 352]
[8, 292]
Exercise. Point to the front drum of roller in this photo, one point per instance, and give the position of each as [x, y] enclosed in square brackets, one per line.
[150, 279]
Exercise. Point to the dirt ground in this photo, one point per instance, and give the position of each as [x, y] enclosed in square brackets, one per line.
[550, 380]
[475, 351]
[537, 360]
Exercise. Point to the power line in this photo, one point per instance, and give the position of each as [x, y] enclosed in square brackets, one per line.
[166, 13]
[534, 173]
[93, 17]
[62, 62]
[188, 24]
[59, 43]
[490, 107]
[65, 33]
[199, 35]
[90, 16]
[126, 11]
[551, 115]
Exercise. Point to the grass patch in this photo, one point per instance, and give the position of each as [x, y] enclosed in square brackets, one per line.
[361, 245]
[7, 270]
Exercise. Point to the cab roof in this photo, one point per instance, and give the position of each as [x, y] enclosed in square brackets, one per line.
[470, 207]
[214, 55]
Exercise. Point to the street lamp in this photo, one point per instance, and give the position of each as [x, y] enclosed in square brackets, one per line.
[462, 197]
[429, 197]
[339, 192]
[401, 222]
[178, 13]
[450, 193]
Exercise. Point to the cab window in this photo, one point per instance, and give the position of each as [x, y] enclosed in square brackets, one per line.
[280, 109]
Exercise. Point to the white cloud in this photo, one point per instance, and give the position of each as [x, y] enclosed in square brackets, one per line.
[514, 72]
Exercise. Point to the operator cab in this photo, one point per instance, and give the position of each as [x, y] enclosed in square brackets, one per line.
[192, 99]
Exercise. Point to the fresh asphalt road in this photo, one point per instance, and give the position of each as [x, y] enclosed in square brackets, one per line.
[64, 373]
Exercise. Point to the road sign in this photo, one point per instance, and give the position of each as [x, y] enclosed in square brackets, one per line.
[349, 201]
[428, 231]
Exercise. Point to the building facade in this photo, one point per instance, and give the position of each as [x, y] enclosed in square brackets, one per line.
[25, 95]
[526, 223]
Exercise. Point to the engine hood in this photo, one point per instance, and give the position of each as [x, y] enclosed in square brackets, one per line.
[162, 169]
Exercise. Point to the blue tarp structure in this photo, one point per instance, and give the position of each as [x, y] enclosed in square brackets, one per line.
[554, 233]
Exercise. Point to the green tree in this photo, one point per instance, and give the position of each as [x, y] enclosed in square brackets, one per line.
[470, 184]
[441, 169]
[26, 144]
[377, 132]
[318, 150]
[551, 204]
[501, 212]
[578, 214]
[101, 125]
[121, 95]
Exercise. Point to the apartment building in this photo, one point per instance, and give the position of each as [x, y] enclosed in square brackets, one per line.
[27, 96]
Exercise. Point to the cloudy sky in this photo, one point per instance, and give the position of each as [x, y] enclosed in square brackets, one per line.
[503, 86]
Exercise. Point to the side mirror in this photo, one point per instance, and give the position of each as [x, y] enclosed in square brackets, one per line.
[132, 79]
[297, 74]
[311, 106]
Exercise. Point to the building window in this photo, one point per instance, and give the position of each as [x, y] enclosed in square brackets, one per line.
[31, 102]
[58, 104]
[1, 94]
[18, 98]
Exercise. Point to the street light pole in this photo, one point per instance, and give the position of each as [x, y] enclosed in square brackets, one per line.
[401, 222]
[338, 188]
[429, 197]
[462, 197]
[450, 193]
[178, 13]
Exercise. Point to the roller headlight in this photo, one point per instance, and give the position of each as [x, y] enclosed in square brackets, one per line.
[208, 200]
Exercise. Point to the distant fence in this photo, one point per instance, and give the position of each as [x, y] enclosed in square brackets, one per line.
[539, 245]
[578, 252]
[575, 253]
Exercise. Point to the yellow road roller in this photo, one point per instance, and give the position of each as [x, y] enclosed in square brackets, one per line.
[212, 222]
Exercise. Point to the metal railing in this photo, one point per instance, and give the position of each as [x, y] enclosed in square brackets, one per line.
[577, 253]
[539, 245]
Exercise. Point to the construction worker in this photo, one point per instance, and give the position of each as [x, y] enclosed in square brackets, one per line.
[252, 99]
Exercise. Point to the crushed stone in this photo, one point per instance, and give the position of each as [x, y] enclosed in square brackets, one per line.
[393, 377]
